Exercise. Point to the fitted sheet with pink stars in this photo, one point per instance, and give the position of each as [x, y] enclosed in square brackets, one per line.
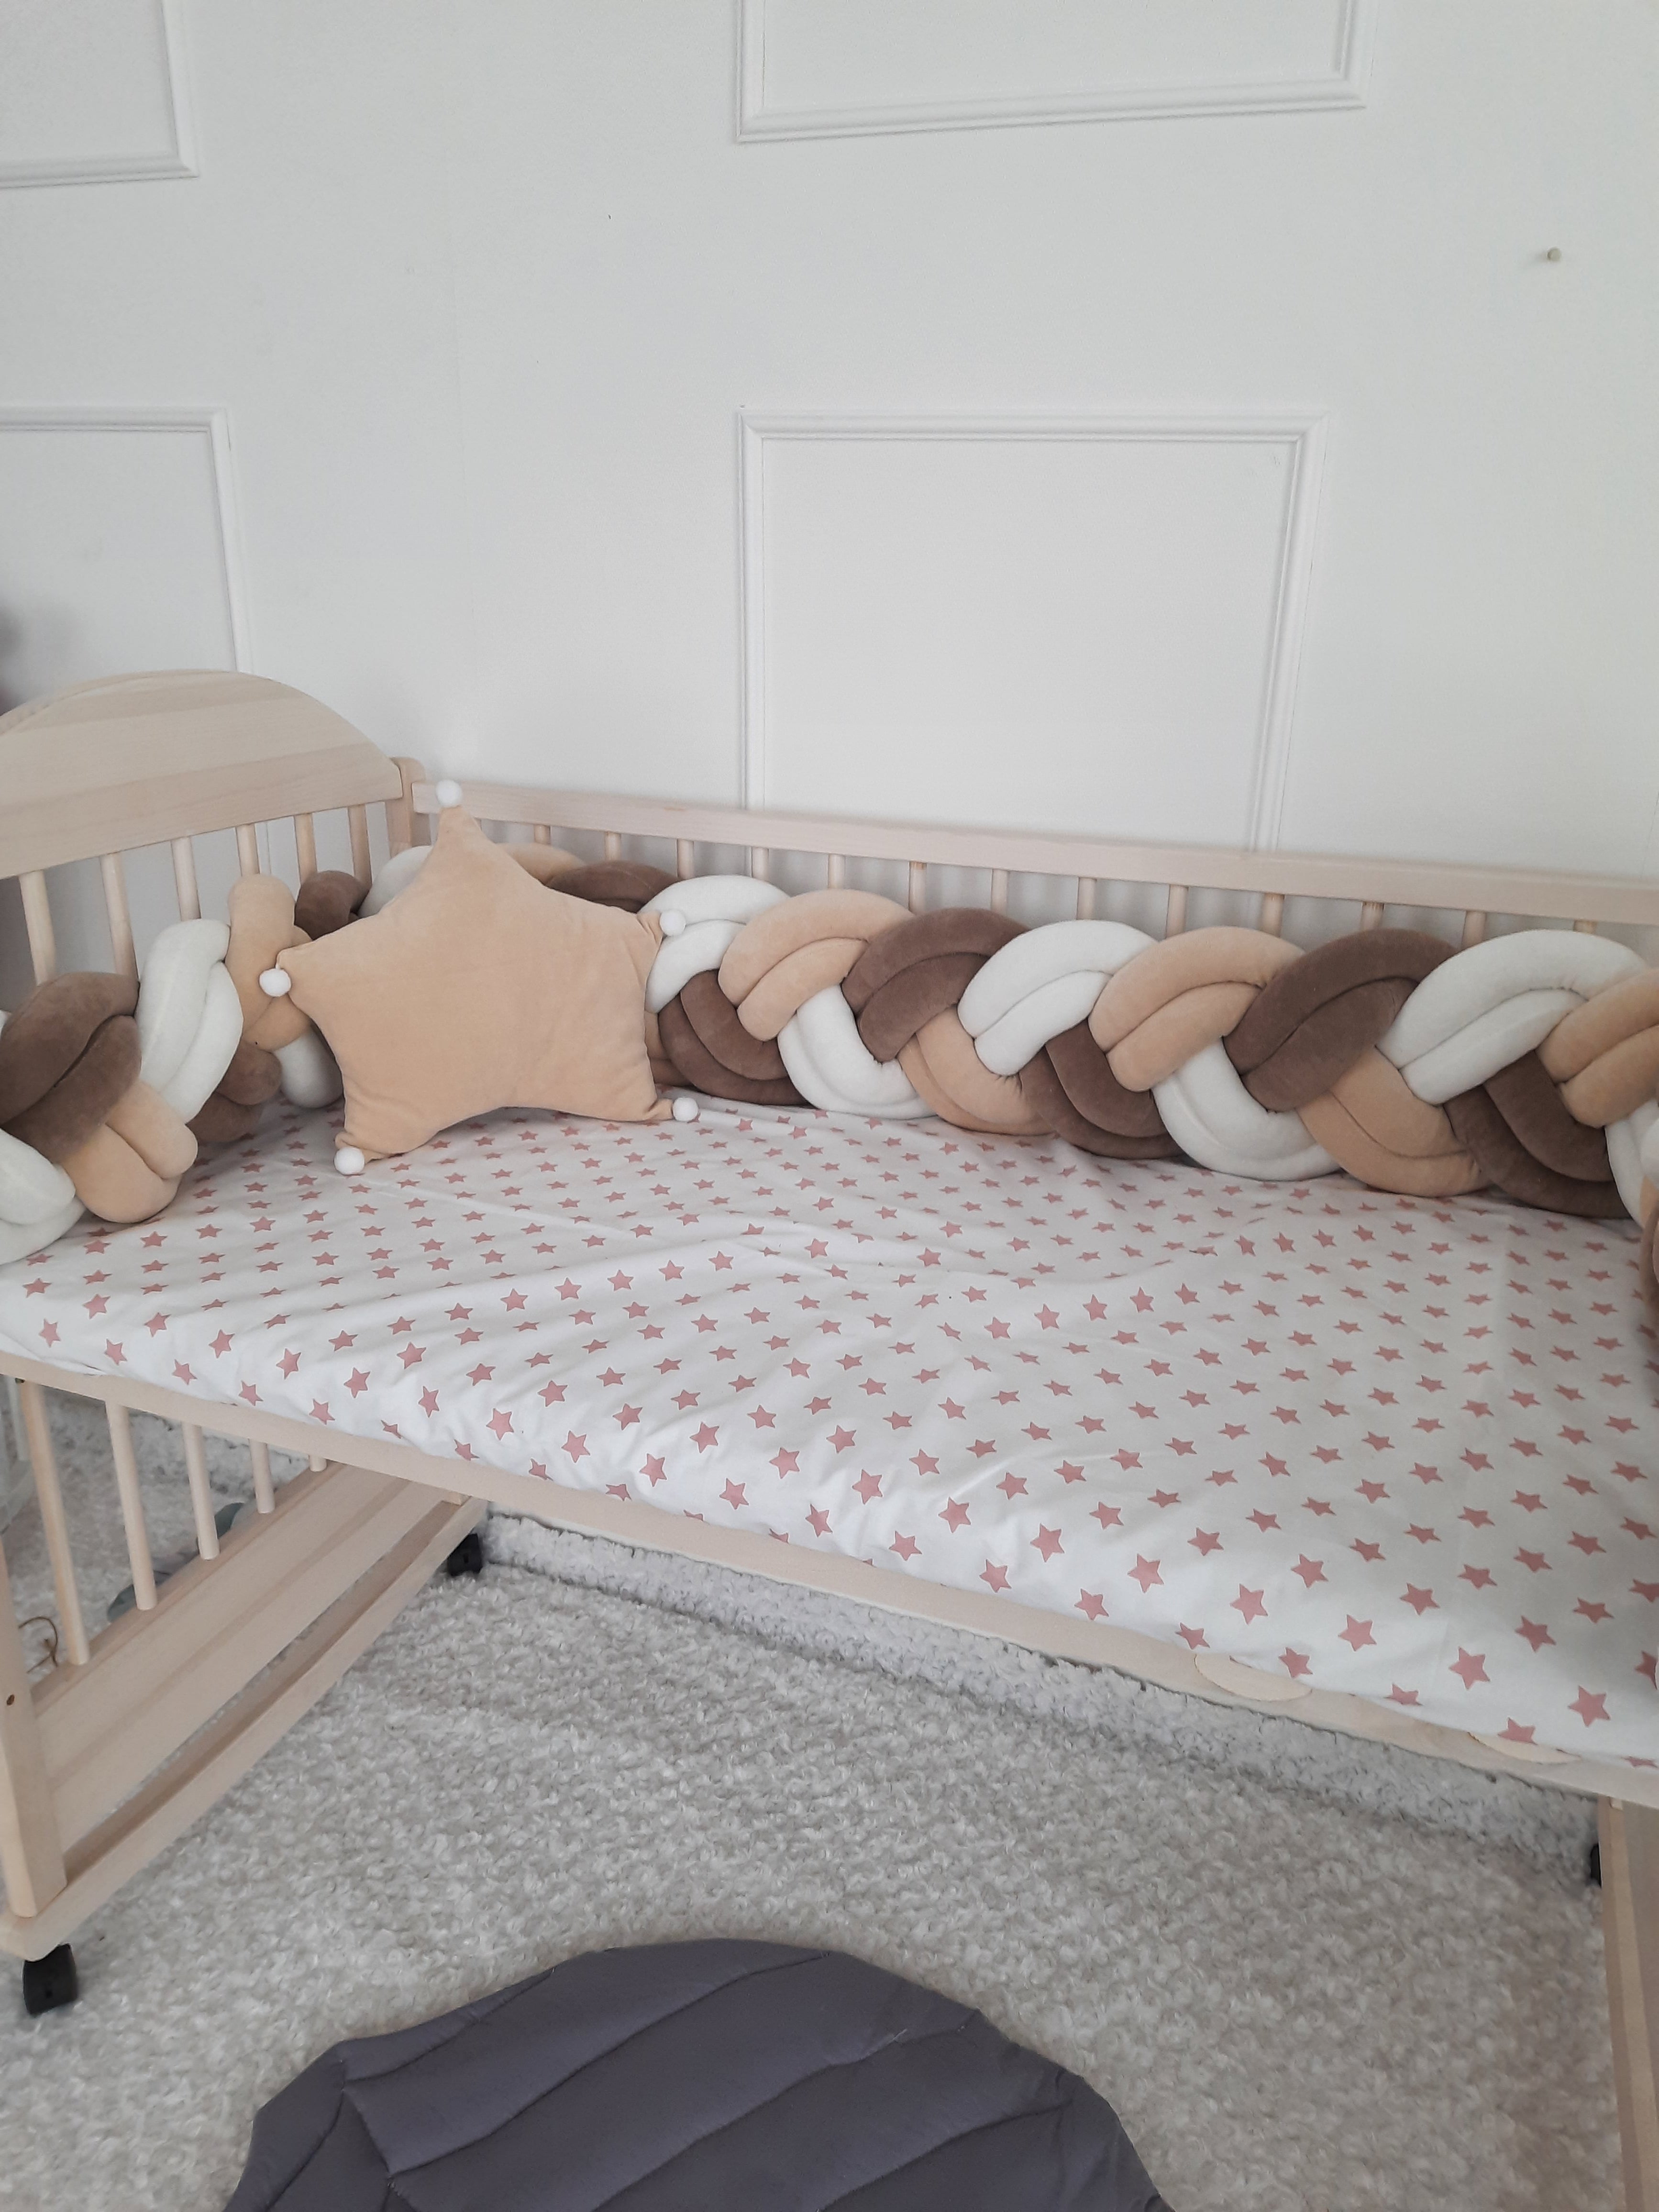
[1403, 1447]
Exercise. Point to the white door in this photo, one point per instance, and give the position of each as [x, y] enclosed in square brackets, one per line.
[1225, 418]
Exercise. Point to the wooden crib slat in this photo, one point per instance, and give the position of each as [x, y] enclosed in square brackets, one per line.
[1272, 912]
[541, 833]
[836, 871]
[1174, 910]
[1474, 926]
[132, 1505]
[1086, 898]
[999, 891]
[201, 1496]
[613, 844]
[917, 893]
[357, 824]
[1587, 928]
[31, 1846]
[37, 920]
[265, 1496]
[1371, 915]
[760, 863]
[119, 916]
[305, 845]
[53, 1522]
[247, 850]
[685, 859]
[183, 881]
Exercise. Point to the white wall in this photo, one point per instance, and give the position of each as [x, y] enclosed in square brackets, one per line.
[1161, 419]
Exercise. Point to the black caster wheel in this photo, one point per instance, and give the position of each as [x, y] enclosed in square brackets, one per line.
[50, 1981]
[467, 1558]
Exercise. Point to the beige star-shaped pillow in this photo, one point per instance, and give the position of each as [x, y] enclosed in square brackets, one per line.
[478, 988]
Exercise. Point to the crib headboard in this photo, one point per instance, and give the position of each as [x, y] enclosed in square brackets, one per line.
[107, 768]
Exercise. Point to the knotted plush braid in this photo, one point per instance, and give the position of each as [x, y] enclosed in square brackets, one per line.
[702, 1042]
[710, 1048]
[1527, 1063]
[907, 990]
[80, 1125]
[628, 884]
[1606, 1054]
[904, 991]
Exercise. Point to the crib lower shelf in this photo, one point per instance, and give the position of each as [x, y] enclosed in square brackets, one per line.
[105, 1764]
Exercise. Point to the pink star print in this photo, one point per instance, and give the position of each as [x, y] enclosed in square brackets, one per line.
[1469, 1667]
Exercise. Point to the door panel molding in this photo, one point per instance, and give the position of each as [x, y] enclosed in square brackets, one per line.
[1299, 434]
[1273, 92]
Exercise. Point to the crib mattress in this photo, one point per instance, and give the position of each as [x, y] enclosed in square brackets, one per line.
[1406, 1449]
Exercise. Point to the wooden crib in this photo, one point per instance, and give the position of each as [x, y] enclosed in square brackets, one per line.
[144, 1725]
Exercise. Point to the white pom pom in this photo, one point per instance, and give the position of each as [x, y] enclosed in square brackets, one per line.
[448, 793]
[673, 921]
[348, 1159]
[275, 982]
[686, 1110]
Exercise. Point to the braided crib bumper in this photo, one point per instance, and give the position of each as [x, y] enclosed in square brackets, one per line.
[1527, 1063]
[108, 1084]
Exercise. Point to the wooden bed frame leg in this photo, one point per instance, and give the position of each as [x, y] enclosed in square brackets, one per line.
[1630, 1920]
[31, 1851]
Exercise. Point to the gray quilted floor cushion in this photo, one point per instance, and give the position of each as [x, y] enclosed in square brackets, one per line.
[720, 2076]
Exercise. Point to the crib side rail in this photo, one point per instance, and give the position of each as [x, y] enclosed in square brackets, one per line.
[1095, 865]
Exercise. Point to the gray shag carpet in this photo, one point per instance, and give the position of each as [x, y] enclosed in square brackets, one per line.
[1307, 1973]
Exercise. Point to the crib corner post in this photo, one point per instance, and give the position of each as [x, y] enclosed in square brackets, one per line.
[31, 1848]
[1630, 1905]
